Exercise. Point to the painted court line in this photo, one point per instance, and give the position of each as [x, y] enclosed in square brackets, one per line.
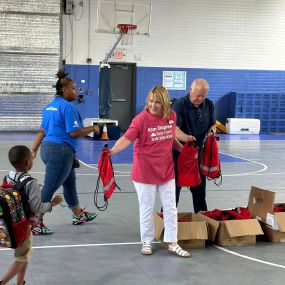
[248, 257]
[83, 245]
[246, 173]
[139, 243]
[95, 167]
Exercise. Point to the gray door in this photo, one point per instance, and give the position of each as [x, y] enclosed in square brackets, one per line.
[123, 93]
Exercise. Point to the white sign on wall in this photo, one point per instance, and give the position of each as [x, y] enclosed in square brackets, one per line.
[174, 80]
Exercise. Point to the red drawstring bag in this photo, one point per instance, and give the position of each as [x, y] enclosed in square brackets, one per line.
[238, 213]
[210, 162]
[106, 174]
[188, 167]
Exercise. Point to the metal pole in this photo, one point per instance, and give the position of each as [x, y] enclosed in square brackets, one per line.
[107, 57]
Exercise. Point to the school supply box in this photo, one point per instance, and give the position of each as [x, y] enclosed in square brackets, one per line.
[234, 231]
[192, 230]
[270, 214]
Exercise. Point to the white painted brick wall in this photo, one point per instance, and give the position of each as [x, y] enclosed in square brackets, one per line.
[243, 34]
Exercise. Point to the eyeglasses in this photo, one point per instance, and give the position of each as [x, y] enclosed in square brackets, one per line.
[199, 115]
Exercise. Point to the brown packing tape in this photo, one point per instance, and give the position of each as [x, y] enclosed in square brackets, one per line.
[236, 228]
[260, 202]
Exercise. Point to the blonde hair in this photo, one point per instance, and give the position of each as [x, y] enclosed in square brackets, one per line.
[160, 93]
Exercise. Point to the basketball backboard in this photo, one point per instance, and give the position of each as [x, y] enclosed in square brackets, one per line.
[112, 13]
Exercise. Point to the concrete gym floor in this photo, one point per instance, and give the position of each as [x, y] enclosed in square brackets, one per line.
[107, 250]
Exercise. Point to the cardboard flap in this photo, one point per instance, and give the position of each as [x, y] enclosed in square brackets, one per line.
[260, 202]
[237, 228]
[213, 226]
[281, 221]
[159, 226]
[192, 230]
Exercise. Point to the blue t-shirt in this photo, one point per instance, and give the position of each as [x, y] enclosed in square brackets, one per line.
[60, 118]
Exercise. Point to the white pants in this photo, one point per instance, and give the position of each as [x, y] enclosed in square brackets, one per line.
[146, 196]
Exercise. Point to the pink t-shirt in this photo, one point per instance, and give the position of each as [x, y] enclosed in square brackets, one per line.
[153, 136]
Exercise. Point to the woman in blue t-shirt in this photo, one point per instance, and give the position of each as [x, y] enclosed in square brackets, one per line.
[61, 126]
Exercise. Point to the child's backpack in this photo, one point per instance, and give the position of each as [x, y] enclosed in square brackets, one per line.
[14, 212]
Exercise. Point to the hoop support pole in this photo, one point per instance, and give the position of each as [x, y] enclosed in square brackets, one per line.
[109, 54]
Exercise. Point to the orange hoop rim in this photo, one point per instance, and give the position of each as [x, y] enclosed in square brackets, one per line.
[124, 28]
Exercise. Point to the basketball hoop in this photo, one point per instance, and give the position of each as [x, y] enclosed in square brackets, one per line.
[127, 31]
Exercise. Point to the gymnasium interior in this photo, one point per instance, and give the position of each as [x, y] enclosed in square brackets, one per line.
[115, 52]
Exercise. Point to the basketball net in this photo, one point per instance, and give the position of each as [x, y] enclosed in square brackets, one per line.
[128, 38]
[127, 31]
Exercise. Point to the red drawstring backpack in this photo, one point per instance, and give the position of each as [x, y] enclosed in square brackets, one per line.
[188, 167]
[106, 173]
[210, 163]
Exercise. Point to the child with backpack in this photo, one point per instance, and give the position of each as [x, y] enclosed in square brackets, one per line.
[22, 160]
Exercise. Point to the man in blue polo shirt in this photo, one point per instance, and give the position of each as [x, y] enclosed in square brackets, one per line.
[195, 120]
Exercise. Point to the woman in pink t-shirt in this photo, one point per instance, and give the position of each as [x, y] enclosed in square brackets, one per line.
[153, 131]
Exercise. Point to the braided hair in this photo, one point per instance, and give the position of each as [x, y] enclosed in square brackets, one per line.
[62, 81]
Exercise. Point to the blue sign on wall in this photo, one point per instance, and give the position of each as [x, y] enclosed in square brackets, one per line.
[174, 80]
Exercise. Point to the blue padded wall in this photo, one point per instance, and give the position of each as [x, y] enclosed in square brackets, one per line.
[221, 81]
[89, 73]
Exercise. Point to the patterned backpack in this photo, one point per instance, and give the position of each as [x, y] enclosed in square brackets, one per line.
[14, 212]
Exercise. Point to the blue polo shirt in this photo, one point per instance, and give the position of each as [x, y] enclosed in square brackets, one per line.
[60, 118]
[192, 120]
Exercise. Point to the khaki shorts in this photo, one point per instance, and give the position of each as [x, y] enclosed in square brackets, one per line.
[23, 252]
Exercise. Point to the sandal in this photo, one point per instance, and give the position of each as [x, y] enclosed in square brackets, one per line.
[178, 250]
[146, 248]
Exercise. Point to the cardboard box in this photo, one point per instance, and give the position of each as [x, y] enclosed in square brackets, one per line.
[237, 232]
[261, 205]
[192, 230]
[233, 232]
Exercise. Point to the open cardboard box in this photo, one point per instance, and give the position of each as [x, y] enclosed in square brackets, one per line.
[261, 205]
[192, 230]
[233, 232]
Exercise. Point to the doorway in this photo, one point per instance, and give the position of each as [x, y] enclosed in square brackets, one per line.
[123, 86]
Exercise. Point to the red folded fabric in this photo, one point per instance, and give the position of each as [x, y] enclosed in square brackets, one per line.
[278, 209]
[238, 213]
